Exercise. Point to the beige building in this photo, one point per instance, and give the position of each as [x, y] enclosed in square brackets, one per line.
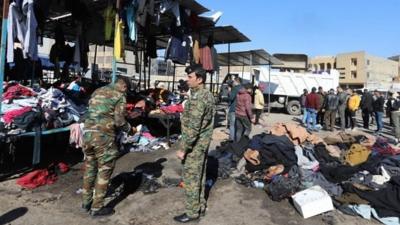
[359, 69]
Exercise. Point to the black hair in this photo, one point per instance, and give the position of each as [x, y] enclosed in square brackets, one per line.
[198, 70]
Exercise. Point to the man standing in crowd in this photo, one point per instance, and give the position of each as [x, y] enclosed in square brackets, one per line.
[232, 107]
[303, 105]
[197, 128]
[378, 110]
[312, 105]
[320, 115]
[343, 97]
[352, 106]
[330, 106]
[244, 114]
[396, 118]
[366, 107]
[389, 106]
[106, 114]
[258, 102]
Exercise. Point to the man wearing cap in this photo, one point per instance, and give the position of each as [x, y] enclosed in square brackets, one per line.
[197, 128]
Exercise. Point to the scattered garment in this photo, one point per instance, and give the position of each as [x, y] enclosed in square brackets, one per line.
[310, 178]
[357, 154]
[282, 186]
[365, 211]
[37, 178]
[14, 91]
[76, 135]
[171, 109]
[10, 115]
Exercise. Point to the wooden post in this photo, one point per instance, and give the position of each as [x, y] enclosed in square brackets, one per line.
[3, 47]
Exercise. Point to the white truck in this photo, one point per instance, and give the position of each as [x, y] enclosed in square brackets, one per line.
[286, 87]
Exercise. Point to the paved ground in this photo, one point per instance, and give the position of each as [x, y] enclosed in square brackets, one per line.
[229, 203]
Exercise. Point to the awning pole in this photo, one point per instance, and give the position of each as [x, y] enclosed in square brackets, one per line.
[3, 48]
[173, 78]
[269, 85]
[229, 58]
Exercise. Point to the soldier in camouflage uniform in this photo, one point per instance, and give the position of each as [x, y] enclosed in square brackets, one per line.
[106, 114]
[197, 128]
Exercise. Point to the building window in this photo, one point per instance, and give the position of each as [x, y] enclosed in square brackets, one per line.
[367, 74]
[354, 74]
[122, 70]
[354, 61]
[368, 62]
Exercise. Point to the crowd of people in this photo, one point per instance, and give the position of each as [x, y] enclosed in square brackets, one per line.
[323, 108]
[242, 113]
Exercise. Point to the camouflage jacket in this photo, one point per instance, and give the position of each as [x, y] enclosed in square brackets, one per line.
[197, 119]
[107, 110]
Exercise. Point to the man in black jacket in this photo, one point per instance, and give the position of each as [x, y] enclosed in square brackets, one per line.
[330, 106]
[343, 98]
[366, 107]
[378, 109]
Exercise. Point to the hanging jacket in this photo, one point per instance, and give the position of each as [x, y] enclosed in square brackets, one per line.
[119, 40]
[196, 52]
[145, 8]
[243, 104]
[109, 18]
[22, 25]
[178, 50]
[206, 58]
[331, 102]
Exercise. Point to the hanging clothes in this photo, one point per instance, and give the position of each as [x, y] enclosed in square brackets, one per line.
[173, 6]
[178, 49]
[206, 58]
[196, 52]
[109, 18]
[145, 8]
[130, 19]
[22, 25]
[119, 40]
[214, 56]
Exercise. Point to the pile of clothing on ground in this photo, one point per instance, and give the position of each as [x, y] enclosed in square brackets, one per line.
[142, 141]
[359, 171]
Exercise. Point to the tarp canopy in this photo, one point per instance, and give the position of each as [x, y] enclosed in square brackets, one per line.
[247, 58]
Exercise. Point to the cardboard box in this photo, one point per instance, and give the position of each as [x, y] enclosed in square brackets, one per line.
[312, 201]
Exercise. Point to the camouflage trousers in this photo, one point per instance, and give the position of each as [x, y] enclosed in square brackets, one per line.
[101, 154]
[194, 178]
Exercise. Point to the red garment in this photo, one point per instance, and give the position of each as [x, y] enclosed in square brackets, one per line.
[16, 91]
[10, 115]
[206, 58]
[36, 178]
[312, 101]
[172, 109]
[63, 167]
[243, 104]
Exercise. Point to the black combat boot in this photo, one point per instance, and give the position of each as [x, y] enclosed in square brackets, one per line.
[105, 211]
[184, 218]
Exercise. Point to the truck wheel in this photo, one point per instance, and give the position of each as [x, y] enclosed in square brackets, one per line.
[293, 108]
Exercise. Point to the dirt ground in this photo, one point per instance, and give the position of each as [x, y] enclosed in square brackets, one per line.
[229, 203]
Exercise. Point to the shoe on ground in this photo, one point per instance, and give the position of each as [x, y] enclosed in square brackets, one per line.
[105, 211]
[86, 208]
[184, 218]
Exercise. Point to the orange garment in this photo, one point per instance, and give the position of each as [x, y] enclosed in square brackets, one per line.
[252, 156]
[196, 52]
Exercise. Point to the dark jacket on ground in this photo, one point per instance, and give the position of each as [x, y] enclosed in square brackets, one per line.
[243, 104]
[379, 104]
[313, 101]
[331, 102]
[367, 101]
[273, 150]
